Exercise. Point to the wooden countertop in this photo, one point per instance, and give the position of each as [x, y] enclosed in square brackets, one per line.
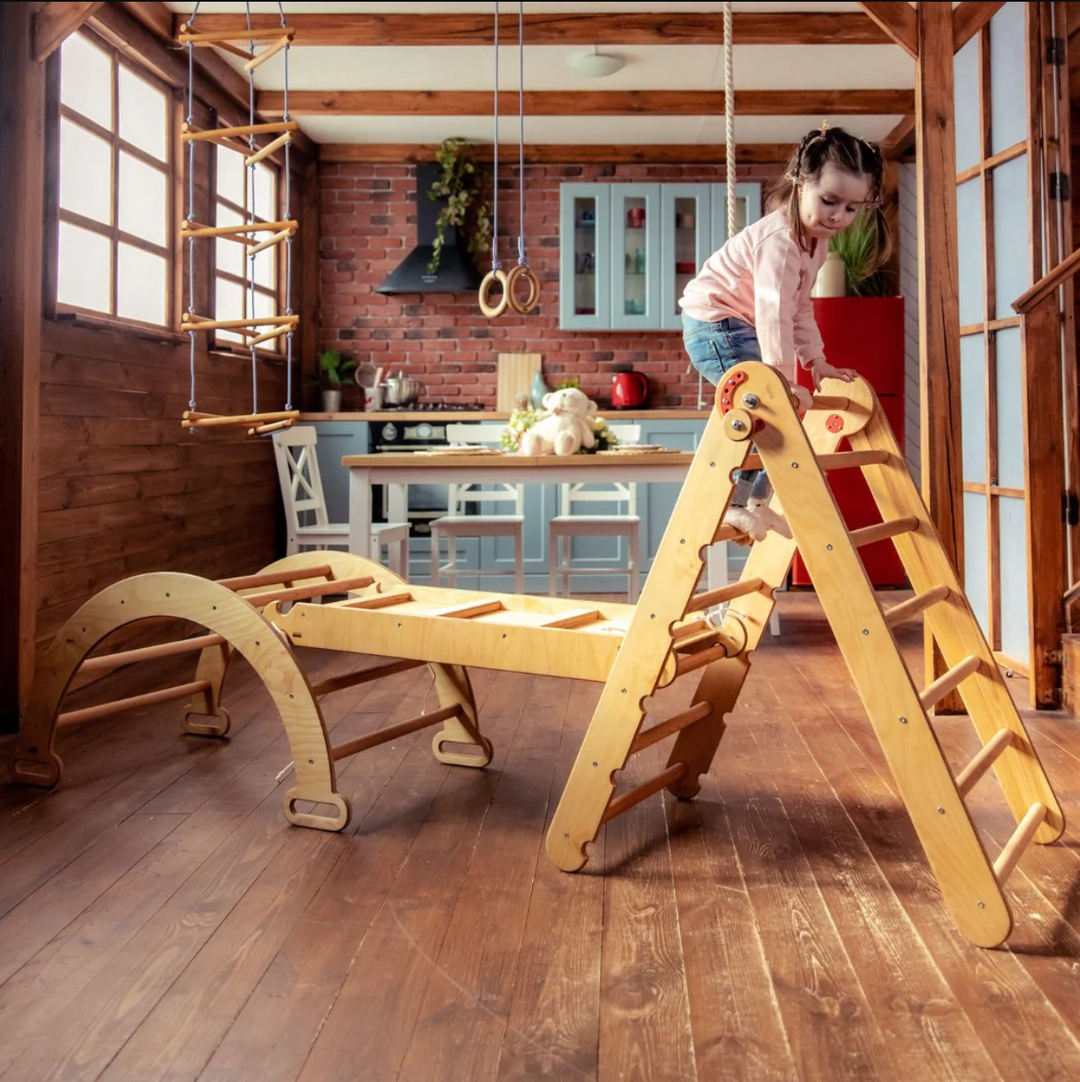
[492, 415]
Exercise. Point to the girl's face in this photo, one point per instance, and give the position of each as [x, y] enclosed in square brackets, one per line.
[828, 204]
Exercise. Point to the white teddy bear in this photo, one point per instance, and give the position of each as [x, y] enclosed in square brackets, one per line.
[565, 429]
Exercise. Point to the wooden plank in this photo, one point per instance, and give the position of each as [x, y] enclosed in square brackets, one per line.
[899, 22]
[583, 102]
[969, 18]
[56, 22]
[22, 122]
[1044, 474]
[900, 142]
[565, 153]
[939, 322]
[586, 28]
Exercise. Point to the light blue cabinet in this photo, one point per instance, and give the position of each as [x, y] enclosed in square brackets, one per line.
[655, 505]
[627, 251]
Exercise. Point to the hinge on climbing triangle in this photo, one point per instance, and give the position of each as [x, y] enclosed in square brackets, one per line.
[1055, 51]
[1070, 509]
[1059, 187]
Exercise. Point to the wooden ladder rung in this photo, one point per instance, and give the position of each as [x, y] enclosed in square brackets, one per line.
[728, 533]
[981, 762]
[567, 621]
[274, 426]
[150, 653]
[276, 333]
[242, 33]
[688, 662]
[264, 152]
[246, 421]
[468, 609]
[273, 50]
[118, 706]
[380, 601]
[941, 687]
[635, 796]
[912, 607]
[1019, 841]
[675, 724]
[305, 593]
[196, 229]
[831, 402]
[190, 133]
[700, 602]
[270, 242]
[836, 460]
[391, 732]
[276, 578]
[364, 676]
[882, 531]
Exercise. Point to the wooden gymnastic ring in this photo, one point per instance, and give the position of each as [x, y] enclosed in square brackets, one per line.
[485, 288]
[523, 307]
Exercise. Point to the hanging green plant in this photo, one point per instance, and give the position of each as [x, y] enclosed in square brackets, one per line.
[856, 246]
[466, 208]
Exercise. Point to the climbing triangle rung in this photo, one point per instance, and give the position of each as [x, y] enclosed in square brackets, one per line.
[363, 676]
[275, 578]
[304, 593]
[658, 732]
[882, 531]
[981, 762]
[908, 609]
[951, 680]
[699, 602]
[689, 662]
[392, 732]
[1020, 840]
[835, 460]
[635, 796]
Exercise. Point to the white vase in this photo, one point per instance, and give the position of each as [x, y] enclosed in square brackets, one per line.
[830, 281]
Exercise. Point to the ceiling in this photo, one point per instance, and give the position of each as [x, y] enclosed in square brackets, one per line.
[421, 81]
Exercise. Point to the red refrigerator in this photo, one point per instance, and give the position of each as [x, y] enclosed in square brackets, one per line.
[867, 334]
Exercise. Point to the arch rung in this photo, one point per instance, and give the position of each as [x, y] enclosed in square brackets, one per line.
[304, 593]
[391, 732]
[119, 706]
[105, 662]
[276, 578]
[364, 676]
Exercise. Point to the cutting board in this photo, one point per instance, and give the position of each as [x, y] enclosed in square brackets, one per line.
[516, 372]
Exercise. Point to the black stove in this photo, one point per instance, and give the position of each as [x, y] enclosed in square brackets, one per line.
[437, 407]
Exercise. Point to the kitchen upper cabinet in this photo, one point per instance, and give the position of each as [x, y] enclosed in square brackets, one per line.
[627, 251]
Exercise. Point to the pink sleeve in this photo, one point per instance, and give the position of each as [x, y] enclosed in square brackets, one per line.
[777, 263]
[808, 344]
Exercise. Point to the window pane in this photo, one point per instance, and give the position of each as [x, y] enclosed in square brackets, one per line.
[143, 201]
[230, 175]
[83, 279]
[229, 305]
[969, 220]
[1008, 77]
[85, 173]
[228, 254]
[973, 407]
[86, 80]
[1012, 266]
[968, 128]
[976, 558]
[1010, 409]
[140, 285]
[266, 264]
[1013, 585]
[143, 114]
[263, 203]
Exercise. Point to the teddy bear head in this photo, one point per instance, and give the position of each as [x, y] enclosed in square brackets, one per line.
[570, 400]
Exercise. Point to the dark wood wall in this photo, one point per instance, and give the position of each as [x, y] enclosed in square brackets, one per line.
[121, 488]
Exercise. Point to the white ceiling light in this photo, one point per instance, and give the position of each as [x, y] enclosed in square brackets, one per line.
[595, 64]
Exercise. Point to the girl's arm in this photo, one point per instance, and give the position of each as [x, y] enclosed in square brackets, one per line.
[777, 267]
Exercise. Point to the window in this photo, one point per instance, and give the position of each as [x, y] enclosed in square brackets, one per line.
[115, 190]
[234, 295]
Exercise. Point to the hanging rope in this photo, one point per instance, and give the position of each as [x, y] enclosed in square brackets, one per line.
[521, 271]
[496, 274]
[729, 122]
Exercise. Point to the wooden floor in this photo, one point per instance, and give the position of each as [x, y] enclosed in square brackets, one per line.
[160, 920]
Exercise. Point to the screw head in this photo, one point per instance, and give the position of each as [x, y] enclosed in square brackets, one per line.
[750, 401]
[738, 425]
[903, 721]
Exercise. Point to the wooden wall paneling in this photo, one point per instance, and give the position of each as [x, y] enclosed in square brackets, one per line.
[939, 324]
[22, 102]
[55, 22]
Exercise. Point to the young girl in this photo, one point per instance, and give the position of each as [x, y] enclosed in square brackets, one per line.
[751, 300]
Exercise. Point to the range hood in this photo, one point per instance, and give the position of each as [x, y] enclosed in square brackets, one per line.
[456, 272]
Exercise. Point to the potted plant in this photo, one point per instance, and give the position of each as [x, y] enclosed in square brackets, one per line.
[465, 208]
[334, 368]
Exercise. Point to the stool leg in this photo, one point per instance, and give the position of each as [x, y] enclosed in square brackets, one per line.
[434, 557]
[553, 562]
[519, 561]
[633, 568]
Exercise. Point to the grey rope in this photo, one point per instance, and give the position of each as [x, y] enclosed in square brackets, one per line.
[495, 264]
[729, 121]
[522, 261]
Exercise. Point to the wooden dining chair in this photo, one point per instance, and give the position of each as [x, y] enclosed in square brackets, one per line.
[623, 522]
[458, 523]
[307, 523]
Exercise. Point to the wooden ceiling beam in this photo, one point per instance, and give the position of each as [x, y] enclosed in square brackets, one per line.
[585, 28]
[564, 153]
[899, 22]
[54, 23]
[900, 142]
[969, 18]
[586, 103]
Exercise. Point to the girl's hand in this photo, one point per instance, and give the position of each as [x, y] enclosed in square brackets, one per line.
[820, 370]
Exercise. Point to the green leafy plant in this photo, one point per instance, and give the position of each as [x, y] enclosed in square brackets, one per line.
[855, 246]
[334, 367]
[521, 420]
[465, 208]
[569, 382]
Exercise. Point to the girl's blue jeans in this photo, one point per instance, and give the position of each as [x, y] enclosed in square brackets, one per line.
[713, 348]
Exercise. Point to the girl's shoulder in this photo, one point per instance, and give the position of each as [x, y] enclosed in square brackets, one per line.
[770, 225]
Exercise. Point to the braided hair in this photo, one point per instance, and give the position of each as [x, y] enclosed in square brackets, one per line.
[837, 147]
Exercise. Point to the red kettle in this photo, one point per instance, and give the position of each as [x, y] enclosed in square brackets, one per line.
[628, 389]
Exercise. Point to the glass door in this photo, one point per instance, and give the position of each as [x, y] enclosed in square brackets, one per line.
[584, 256]
[635, 256]
[685, 243]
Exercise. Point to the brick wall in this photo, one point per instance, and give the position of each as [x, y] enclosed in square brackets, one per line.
[368, 225]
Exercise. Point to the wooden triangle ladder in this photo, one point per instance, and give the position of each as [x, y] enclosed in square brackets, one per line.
[755, 404]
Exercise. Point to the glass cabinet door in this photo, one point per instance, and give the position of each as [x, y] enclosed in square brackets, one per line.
[584, 256]
[685, 243]
[635, 256]
[747, 204]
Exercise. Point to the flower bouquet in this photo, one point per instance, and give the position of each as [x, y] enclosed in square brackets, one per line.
[522, 419]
